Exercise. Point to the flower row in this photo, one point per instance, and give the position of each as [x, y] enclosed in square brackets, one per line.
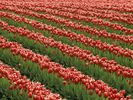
[72, 36]
[86, 9]
[94, 20]
[103, 33]
[119, 7]
[96, 13]
[89, 30]
[66, 73]
[97, 21]
[108, 65]
[34, 89]
[101, 15]
[112, 16]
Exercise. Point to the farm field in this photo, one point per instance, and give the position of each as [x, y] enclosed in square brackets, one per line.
[66, 50]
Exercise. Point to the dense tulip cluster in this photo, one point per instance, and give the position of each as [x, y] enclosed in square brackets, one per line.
[93, 31]
[107, 3]
[103, 33]
[66, 73]
[94, 20]
[99, 20]
[73, 36]
[89, 19]
[120, 8]
[84, 10]
[98, 13]
[34, 89]
[108, 65]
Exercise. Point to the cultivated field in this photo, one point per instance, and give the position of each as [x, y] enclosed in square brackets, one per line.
[66, 50]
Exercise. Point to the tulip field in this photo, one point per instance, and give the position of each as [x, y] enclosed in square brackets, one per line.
[66, 50]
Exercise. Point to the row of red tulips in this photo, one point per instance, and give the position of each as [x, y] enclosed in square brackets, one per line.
[119, 9]
[87, 9]
[113, 6]
[72, 36]
[119, 4]
[107, 65]
[103, 33]
[66, 73]
[34, 89]
[96, 13]
[24, 3]
[100, 33]
[96, 21]
[115, 16]
[76, 8]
